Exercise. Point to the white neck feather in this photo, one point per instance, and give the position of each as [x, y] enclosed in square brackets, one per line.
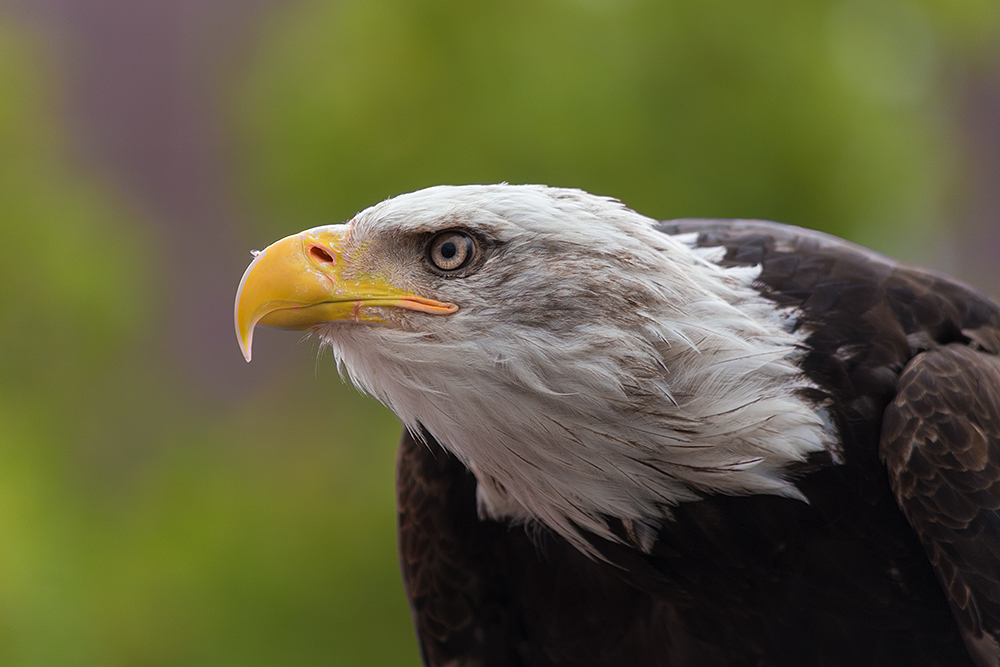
[670, 378]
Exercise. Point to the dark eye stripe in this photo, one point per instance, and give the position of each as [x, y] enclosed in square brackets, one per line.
[450, 251]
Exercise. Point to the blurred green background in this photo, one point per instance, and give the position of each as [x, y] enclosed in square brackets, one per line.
[163, 503]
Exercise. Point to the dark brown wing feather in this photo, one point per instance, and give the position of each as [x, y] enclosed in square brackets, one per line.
[941, 445]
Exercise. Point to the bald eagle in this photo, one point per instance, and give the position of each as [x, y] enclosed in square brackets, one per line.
[631, 442]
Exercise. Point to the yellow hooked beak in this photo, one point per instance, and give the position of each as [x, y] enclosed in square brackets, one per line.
[300, 281]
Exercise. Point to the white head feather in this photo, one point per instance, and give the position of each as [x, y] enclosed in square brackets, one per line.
[596, 367]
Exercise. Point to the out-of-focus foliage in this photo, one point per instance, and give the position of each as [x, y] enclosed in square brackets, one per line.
[140, 525]
[826, 114]
[137, 527]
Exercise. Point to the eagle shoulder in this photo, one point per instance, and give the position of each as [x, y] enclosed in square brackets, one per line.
[941, 446]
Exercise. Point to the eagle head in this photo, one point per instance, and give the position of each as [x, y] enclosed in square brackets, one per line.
[581, 363]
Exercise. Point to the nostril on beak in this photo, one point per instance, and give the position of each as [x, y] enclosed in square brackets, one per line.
[321, 254]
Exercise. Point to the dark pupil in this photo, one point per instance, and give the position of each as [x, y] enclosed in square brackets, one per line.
[449, 250]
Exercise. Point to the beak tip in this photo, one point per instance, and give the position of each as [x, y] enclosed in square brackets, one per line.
[245, 346]
[245, 339]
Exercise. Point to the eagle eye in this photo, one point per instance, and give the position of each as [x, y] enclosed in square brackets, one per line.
[451, 251]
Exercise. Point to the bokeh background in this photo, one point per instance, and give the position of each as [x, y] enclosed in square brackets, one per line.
[162, 502]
